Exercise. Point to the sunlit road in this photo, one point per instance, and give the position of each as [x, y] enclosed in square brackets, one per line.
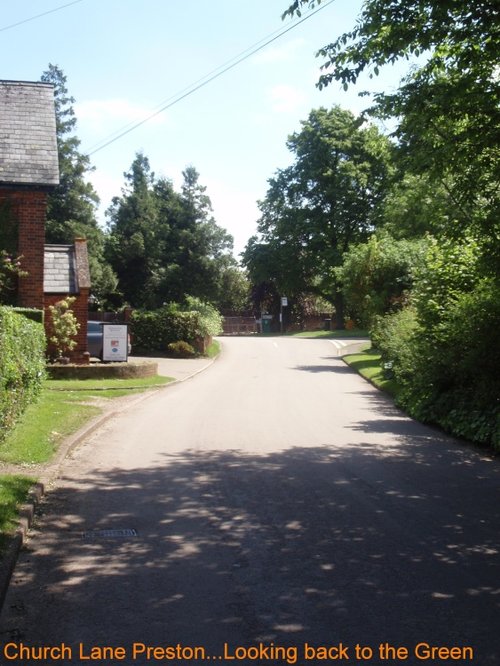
[280, 503]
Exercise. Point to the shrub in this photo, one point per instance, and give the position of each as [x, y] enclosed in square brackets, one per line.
[211, 319]
[31, 313]
[377, 275]
[394, 336]
[456, 380]
[64, 326]
[181, 349]
[22, 365]
[155, 330]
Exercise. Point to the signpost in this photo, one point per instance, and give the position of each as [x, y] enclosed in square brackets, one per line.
[284, 304]
[115, 342]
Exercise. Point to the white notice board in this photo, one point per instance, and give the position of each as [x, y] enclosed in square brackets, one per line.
[114, 342]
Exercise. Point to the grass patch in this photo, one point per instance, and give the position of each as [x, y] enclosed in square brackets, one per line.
[63, 407]
[368, 364]
[13, 492]
[213, 349]
[354, 333]
[103, 388]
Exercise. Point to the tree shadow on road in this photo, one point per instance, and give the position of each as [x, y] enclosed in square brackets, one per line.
[360, 544]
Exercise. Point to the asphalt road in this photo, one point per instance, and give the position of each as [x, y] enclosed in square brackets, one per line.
[273, 506]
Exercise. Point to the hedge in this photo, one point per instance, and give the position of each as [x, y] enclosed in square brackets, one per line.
[156, 330]
[22, 365]
[31, 313]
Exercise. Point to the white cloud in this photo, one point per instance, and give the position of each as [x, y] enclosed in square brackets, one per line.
[286, 99]
[282, 53]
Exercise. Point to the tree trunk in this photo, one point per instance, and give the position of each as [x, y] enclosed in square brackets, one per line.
[339, 311]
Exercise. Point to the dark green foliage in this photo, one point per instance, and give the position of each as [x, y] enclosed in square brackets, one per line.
[454, 379]
[71, 211]
[393, 336]
[164, 244]
[315, 209]
[377, 276]
[22, 365]
[443, 350]
[448, 109]
[156, 330]
[31, 313]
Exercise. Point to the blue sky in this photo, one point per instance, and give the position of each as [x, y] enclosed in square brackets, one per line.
[125, 58]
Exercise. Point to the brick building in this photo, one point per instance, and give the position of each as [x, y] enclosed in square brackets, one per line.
[29, 170]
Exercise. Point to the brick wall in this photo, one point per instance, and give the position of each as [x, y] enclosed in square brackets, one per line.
[28, 207]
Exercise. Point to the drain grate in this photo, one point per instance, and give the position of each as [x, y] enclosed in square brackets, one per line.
[110, 534]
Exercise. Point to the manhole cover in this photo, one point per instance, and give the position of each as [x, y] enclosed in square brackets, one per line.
[110, 534]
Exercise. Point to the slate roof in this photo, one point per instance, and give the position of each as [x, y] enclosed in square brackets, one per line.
[28, 141]
[60, 270]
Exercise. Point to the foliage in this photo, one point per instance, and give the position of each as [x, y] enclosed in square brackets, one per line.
[65, 326]
[211, 318]
[13, 492]
[440, 349]
[10, 270]
[450, 269]
[377, 276]
[369, 365]
[181, 349]
[155, 330]
[32, 313]
[165, 244]
[22, 365]
[416, 205]
[393, 335]
[71, 211]
[315, 209]
[448, 107]
[62, 409]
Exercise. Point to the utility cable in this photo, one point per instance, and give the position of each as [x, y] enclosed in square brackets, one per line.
[32, 18]
[208, 78]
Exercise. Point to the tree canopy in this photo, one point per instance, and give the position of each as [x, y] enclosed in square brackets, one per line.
[325, 201]
[448, 108]
[164, 244]
[71, 209]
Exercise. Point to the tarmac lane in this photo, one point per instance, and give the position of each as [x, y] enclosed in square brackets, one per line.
[274, 509]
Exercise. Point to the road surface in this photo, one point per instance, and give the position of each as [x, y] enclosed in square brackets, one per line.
[274, 509]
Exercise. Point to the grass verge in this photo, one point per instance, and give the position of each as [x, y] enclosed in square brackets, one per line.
[13, 492]
[213, 349]
[63, 407]
[368, 364]
[354, 333]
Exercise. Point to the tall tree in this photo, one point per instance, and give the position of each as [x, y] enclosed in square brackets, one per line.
[166, 245]
[132, 246]
[448, 109]
[71, 210]
[328, 199]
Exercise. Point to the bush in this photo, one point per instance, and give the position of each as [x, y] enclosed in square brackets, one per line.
[448, 372]
[457, 370]
[154, 331]
[22, 365]
[181, 349]
[394, 336]
[31, 313]
[377, 275]
[64, 326]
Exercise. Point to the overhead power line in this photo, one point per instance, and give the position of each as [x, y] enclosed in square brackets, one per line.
[32, 18]
[208, 78]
